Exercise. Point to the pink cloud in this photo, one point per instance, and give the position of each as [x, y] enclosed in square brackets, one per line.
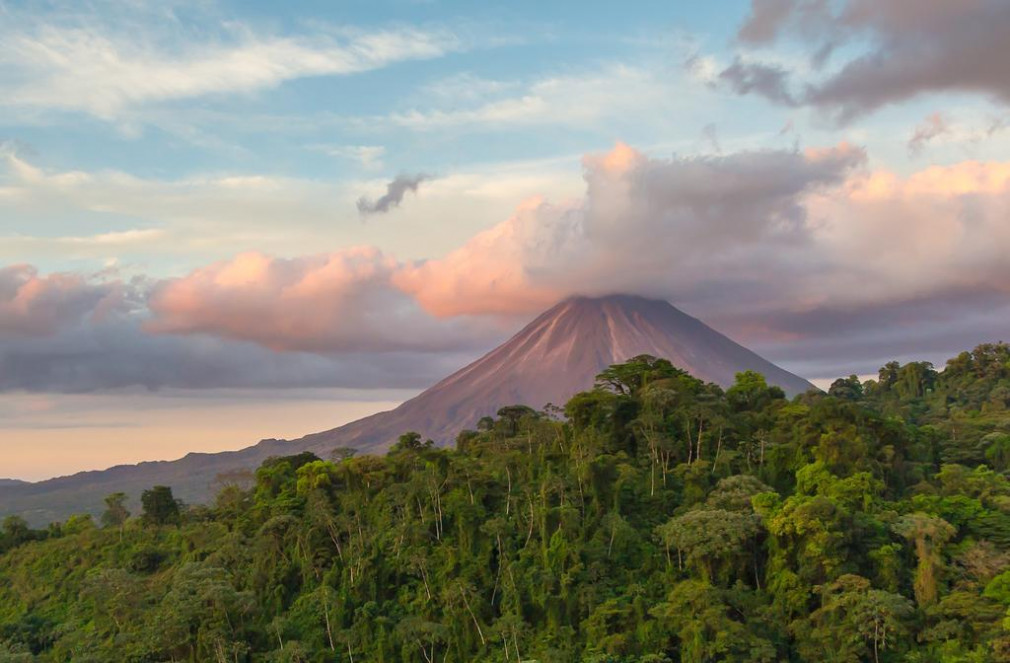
[890, 237]
[331, 302]
[41, 305]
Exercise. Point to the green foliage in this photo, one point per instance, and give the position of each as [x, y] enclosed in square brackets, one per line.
[116, 513]
[160, 507]
[854, 623]
[661, 519]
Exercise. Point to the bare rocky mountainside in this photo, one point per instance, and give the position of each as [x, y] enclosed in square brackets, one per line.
[552, 358]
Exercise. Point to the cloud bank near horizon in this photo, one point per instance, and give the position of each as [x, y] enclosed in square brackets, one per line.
[810, 256]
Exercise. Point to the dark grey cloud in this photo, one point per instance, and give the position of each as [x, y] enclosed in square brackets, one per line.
[768, 81]
[395, 191]
[765, 20]
[915, 47]
[833, 341]
[119, 354]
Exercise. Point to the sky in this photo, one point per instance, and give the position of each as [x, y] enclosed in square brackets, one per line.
[225, 221]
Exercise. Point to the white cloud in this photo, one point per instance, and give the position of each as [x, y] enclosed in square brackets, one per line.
[106, 73]
[106, 240]
[368, 157]
[587, 99]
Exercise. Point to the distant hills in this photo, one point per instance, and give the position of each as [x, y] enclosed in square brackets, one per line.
[548, 361]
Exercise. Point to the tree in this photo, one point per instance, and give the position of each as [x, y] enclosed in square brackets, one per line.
[997, 450]
[411, 441]
[115, 513]
[16, 531]
[201, 615]
[635, 374]
[711, 540]
[160, 507]
[706, 629]
[426, 635]
[750, 391]
[850, 388]
[341, 454]
[854, 623]
[117, 595]
[511, 416]
[929, 534]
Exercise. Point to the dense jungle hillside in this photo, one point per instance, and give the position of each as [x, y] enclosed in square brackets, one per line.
[654, 518]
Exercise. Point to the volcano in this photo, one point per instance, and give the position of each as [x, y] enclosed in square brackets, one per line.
[554, 357]
[551, 359]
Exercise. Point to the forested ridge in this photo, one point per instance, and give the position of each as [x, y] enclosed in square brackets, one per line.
[654, 518]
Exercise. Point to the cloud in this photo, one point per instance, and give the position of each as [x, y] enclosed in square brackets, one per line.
[765, 20]
[810, 257]
[118, 354]
[651, 226]
[779, 249]
[340, 302]
[73, 334]
[395, 191]
[897, 238]
[830, 341]
[615, 92]
[933, 126]
[33, 305]
[761, 243]
[996, 125]
[768, 81]
[103, 71]
[900, 49]
[99, 241]
[367, 156]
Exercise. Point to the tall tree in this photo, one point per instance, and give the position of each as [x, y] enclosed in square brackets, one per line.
[160, 506]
